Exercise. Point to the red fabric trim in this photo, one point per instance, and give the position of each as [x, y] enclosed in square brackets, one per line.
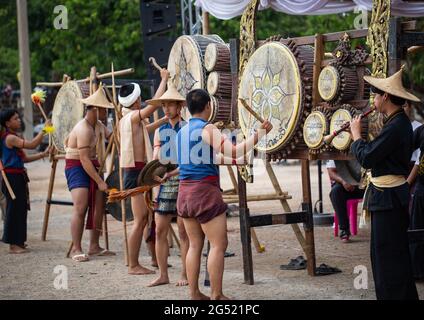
[139, 165]
[14, 170]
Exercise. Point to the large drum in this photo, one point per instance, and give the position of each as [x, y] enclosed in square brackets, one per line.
[186, 62]
[67, 111]
[277, 83]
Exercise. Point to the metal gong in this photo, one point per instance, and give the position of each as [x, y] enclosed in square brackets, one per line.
[272, 84]
[114, 208]
[67, 111]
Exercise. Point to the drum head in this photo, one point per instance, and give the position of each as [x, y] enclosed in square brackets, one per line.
[341, 141]
[328, 83]
[67, 111]
[114, 208]
[271, 85]
[185, 64]
[314, 129]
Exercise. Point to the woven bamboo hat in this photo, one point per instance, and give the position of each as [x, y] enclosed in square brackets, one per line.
[170, 95]
[392, 85]
[98, 99]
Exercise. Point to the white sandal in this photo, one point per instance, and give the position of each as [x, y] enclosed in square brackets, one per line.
[82, 257]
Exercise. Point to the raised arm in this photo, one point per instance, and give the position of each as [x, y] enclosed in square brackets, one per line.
[151, 127]
[156, 145]
[17, 142]
[221, 144]
[149, 109]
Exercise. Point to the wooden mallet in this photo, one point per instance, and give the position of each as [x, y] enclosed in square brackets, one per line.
[251, 111]
[154, 63]
[259, 247]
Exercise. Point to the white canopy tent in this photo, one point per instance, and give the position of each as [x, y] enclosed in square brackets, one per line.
[228, 9]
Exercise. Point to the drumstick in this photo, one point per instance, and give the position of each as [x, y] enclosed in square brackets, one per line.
[6, 181]
[154, 63]
[251, 111]
[37, 98]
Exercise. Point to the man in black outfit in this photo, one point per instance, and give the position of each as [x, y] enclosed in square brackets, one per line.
[388, 157]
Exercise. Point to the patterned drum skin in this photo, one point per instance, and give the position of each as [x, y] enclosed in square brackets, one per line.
[186, 64]
[271, 84]
[67, 111]
[314, 129]
[328, 83]
[343, 140]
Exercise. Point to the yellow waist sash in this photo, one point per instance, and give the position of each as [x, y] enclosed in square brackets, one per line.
[388, 181]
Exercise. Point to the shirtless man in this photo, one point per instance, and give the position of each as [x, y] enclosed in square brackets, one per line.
[83, 178]
[135, 151]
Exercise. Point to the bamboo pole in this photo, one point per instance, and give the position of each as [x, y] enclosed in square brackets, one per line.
[99, 76]
[49, 198]
[121, 180]
[7, 183]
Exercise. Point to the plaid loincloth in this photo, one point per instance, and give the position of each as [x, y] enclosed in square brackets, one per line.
[167, 198]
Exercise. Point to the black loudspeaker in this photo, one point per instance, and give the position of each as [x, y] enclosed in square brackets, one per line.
[158, 23]
[157, 17]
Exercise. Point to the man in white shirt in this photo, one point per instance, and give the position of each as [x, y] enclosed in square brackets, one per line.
[343, 188]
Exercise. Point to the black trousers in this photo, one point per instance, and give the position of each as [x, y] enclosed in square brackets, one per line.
[15, 222]
[339, 197]
[416, 247]
[390, 258]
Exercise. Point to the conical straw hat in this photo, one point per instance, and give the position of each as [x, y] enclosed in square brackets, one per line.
[171, 94]
[98, 99]
[392, 85]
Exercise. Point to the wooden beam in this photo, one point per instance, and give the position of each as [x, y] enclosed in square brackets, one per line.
[282, 218]
[318, 58]
[262, 197]
[309, 224]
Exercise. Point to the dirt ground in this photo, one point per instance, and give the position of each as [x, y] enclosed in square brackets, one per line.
[32, 276]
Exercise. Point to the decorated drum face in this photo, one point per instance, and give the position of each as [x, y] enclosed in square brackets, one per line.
[314, 129]
[272, 84]
[67, 111]
[328, 83]
[186, 66]
[343, 140]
